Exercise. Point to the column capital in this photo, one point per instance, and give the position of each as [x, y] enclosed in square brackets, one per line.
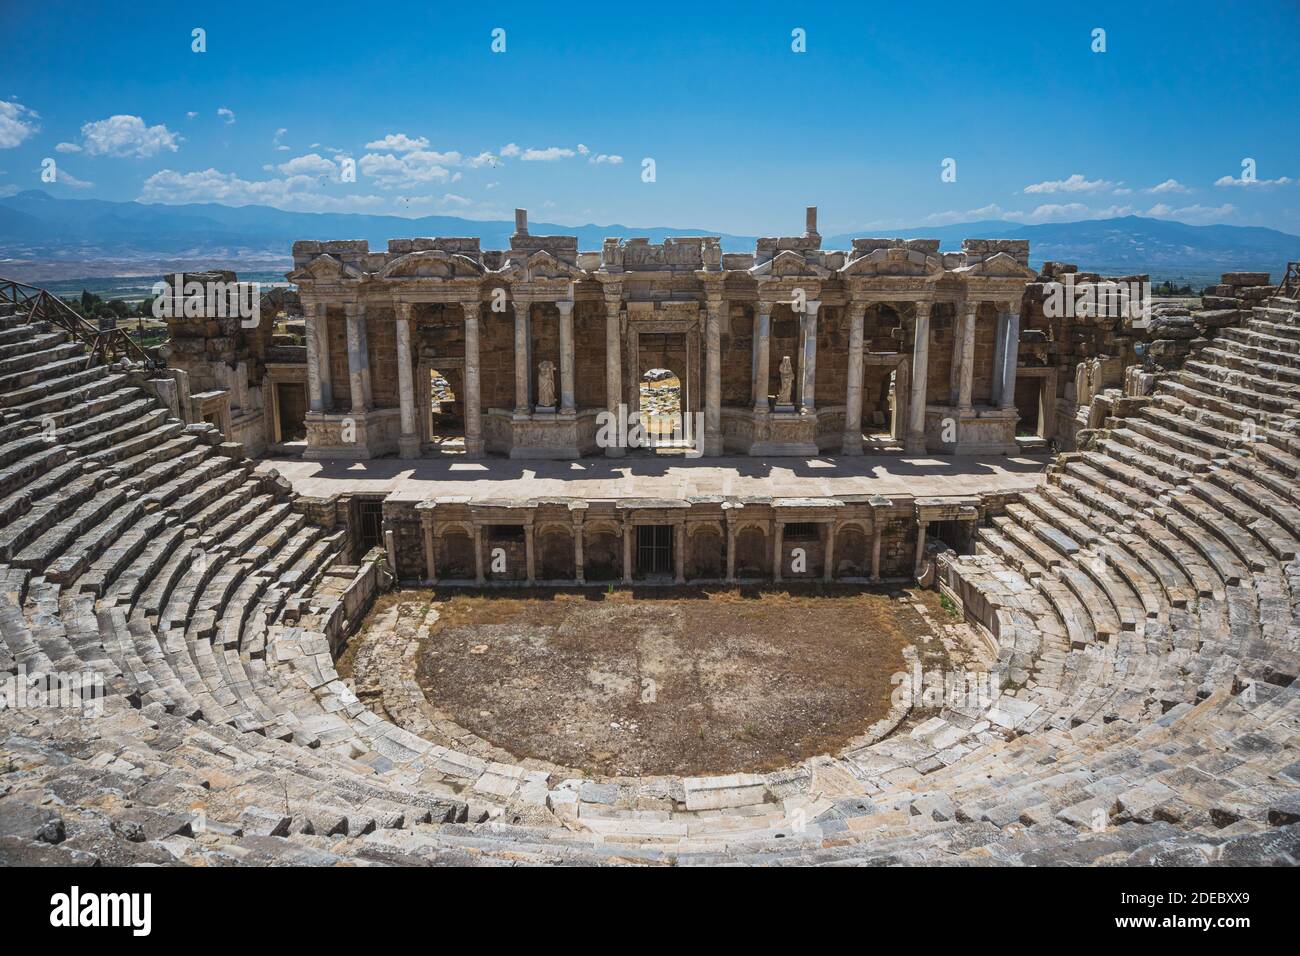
[354, 310]
[971, 306]
[923, 308]
[564, 305]
[403, 310]
[470, 307]
[811, 307]
[763, 306]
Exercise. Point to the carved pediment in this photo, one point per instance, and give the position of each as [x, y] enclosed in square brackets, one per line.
[998, 266]
[325, 268]
[432, 264]
[895, 261]
[788, 264]
[544, 265]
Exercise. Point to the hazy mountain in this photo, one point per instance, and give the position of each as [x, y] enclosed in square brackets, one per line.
[37, 226]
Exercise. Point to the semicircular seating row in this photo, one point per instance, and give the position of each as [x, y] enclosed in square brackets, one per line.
[1143, 603]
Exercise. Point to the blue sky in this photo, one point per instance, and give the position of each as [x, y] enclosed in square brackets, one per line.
[743, 131]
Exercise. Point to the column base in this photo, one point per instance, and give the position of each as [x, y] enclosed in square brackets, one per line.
[851, 444]
[408, 446]
[474, 448]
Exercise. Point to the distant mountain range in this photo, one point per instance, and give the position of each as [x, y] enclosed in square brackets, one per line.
[36, 227]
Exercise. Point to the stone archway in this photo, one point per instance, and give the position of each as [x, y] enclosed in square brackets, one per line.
[603, 555]
[555, 554]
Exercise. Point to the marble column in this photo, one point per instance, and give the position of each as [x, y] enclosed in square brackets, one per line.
[731, 554]
[430, 555]
[324, 374]
[713, 377]
[1011, 356]
[762, 346]
[473, 400]
[566, 356]
[358, 359]
[523, 355]
[409, 441]
[915, 443]
[613, 364]
[315, 399]
[807, 393]
[679, 552]
[579, 552]
[965, 353]
[628, 532]
[778, 546]
[828, 553]
[478, 554]
[852, 441]
[530, 552]
[921, 527]
[877, 536]
[999, 351]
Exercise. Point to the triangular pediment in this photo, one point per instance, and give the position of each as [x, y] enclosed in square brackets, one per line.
[325, 268]
[544, 265]
[998, 266]
[787, 264]
[895, 261]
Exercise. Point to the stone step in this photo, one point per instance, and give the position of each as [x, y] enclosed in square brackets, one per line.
[44, 349]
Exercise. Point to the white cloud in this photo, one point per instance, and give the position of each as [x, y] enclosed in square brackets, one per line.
[1074, 184]
[399, 143]
[1229, 181]
[484, 158]
[612, 158]
[1169, 186]
[278, 146]
[510, 149]
[421, 166]
[1051, 212]
[312, 164]
[124, 135]
[548, 155]
[211, 185]
[227, 114]
[191, 114]
[67, 148]
[1193, 214]
[65, 178]
[17, 123]
[583, 150]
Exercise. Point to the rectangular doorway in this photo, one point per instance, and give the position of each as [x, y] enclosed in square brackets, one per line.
[654, 549]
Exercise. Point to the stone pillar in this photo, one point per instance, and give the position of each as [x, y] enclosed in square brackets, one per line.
[530, 560]
[409, 441]
[613, 363]
[921, 525]
[473, 401]
[852, 441]
[579, 550]
[323, 371]
[628, 531]
[731, 554]
[430, 555]
[828, 552]
[566, 356]
[679, 552]
[877, 536]
[999, 351]
[762, 344]
[713, 377]
[523, 354]
[358, 359]
[1011, 357]
[478, 554]
[315, 399]
[807, 393]
[915, 443]
[778, 556]
[964, 352]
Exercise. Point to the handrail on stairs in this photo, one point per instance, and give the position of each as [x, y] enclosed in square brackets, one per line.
[43, 306]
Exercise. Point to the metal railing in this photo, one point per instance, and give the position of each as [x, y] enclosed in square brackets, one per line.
[1289, 287]
[103, 344]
